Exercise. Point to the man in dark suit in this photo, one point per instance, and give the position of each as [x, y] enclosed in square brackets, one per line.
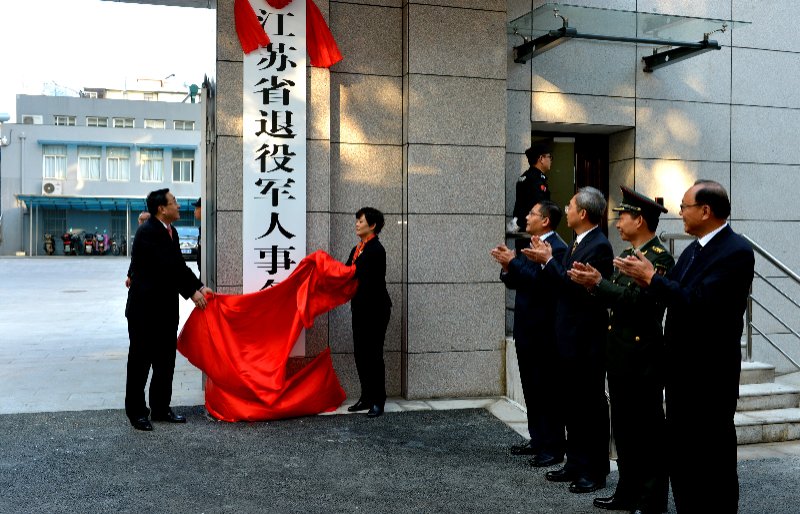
[634, 360]
[535, 338]
[581, 321]
[706, 296]
[158, 274]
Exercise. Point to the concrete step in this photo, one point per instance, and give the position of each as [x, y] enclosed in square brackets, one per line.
[768, 396]
[756, 373]
[767, 426]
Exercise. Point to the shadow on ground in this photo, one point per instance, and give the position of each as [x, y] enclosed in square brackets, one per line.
[426, 461]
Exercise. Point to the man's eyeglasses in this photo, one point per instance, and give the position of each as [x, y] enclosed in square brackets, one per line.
[685, 206]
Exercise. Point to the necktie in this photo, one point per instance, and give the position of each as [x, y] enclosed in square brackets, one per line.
[574, 245]
[169, 231]
[694, 248]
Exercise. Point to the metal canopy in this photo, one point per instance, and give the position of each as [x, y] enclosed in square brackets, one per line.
[100, 203]
[552, 24]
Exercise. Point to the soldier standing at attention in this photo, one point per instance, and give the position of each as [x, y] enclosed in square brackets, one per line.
[531, 189]
[634, 361]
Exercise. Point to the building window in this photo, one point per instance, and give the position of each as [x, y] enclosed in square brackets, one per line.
[123, 122]
[89, 162]
[183, 165]
[65, 120]
[55, 161]
[152, 164]
[54, 221]
[184, 125]
[150, 97]
[118, 163]
[96, 121]
[155, 124]
[89, 94]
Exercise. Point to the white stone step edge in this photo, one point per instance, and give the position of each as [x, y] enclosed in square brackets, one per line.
[756, 373]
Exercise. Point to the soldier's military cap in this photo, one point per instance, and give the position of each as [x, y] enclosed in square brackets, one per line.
[639, 203]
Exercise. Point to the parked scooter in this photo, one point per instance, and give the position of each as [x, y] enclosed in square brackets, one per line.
[100, 243]
[49, 244]
[70, 242]
[88, 243]
[114, 245]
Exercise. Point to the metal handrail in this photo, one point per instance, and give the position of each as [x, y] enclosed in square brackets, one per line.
[672, 237]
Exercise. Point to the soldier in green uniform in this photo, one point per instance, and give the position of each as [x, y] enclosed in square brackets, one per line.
[634, 354]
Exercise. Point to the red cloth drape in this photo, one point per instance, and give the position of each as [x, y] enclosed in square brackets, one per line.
[251, 33]
[242, 343]
[322, 49]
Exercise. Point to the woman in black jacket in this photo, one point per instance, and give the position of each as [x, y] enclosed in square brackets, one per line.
[371, 308]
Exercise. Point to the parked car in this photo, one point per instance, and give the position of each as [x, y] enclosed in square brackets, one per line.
[189, 238]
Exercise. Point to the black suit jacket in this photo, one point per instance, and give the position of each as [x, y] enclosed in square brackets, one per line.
[581, 318]
[705, 306]
[534, 304]
[158, 274]
[371, 274]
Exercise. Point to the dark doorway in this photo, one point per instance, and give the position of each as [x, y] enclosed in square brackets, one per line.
[578, 160]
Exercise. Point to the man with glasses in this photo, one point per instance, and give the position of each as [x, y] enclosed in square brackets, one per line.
[531, 188]
[535, 338]
[158, 274]
[581, 327]
[634, 360]
[706, 296]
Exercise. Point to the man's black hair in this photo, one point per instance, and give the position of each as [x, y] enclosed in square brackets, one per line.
[156, 199]
[712, 193]
[550, 210]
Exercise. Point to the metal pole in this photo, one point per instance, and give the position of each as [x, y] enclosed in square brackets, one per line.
[749, 318]
[30, 232]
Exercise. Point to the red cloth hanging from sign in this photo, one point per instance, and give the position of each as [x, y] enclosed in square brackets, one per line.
[251, 33]
[242, 343]
[322, 49]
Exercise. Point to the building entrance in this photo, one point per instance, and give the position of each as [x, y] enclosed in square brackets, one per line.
[578, 160]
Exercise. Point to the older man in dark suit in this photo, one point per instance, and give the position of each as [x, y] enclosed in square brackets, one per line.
[158, 274]
[706, 296]
[535, 338]
[581, 326]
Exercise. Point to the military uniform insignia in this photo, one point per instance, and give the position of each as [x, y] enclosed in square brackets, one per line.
[658, 249]
[661, 269]
[543, 187]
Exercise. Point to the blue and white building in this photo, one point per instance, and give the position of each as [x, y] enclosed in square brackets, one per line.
[86, 163]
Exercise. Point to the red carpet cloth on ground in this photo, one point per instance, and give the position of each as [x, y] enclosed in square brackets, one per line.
[242, 343]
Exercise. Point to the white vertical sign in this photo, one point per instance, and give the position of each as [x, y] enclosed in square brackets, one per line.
[274, 150]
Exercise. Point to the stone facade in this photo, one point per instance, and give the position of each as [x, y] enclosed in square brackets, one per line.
[427, 118]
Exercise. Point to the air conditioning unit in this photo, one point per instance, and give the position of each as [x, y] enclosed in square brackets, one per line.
[51, 187]
[32, 119]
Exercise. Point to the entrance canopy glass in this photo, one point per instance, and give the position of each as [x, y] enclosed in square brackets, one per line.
[99, 203]
[552, 24]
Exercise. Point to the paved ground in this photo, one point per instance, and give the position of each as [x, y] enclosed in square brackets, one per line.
[65, 445]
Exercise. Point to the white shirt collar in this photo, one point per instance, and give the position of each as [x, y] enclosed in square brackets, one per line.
[708, 237]
[545, 236]
[580, 237]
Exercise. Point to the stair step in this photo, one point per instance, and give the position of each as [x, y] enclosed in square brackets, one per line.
[753, 397]
[756, 373]
[767, 426]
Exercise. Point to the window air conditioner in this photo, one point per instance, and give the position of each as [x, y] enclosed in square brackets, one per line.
[50, 188]
[32, 119]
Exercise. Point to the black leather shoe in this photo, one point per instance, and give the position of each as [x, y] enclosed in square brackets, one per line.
[612, 503]
[560, 475]
[544, 460]
[142, 424]
[358, 406]
[586, 485]
[169, 417]
[522, 449]
[375, 411]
